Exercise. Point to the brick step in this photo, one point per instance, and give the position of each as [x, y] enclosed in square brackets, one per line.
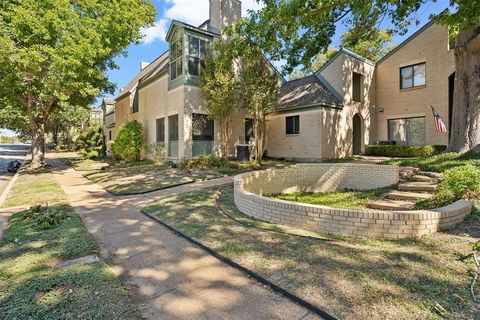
[436, 175]
[417, 186]
[406, 172]
[403, 195]
[422, 178]
[387, 204]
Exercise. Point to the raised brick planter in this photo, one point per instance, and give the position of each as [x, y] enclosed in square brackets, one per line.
[250, 188]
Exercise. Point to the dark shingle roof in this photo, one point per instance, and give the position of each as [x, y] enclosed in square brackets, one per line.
[148, 70]
[307, 91]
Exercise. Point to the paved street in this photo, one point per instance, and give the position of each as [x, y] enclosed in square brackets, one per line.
[9, 152]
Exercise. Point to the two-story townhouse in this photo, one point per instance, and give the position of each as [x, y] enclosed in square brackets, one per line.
[165, 96]
[348, 103]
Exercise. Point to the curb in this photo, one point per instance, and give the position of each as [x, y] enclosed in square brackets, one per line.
[325, 315]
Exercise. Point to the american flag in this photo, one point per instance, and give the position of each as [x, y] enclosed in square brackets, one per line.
[439, 124]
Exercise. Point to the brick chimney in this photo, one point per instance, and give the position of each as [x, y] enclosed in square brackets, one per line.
[224, 13]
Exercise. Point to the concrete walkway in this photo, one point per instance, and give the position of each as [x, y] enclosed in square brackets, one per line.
[167, 277]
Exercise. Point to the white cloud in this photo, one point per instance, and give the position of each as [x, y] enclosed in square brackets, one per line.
[193, 12]
[155, 32]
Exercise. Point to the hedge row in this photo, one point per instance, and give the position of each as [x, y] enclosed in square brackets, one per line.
[404, 151]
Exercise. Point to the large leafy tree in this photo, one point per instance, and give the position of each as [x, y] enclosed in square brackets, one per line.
[55, 52]
[219, 87]
[373, 46]
[298, 30]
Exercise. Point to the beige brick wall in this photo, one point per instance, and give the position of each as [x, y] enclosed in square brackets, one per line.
[303, 146]
[431, 47]
[320, 177]
[345, 222]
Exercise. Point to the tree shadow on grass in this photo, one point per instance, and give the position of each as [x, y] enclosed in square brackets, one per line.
[366, 278]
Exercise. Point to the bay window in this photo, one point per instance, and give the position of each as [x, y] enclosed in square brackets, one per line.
[197, 53]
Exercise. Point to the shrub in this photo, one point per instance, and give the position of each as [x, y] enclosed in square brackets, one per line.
[90, 143]
[462, 182]
[130, 141]
[404, 151]
[46, 218]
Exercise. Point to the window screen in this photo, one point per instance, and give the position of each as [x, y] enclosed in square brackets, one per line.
[202, 127]
[161, 130]
[410, 131]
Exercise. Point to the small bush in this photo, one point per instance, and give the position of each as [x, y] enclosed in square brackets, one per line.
[46, 218]
[130, 141]
[404, 151]
[458, 183]
[90, 143]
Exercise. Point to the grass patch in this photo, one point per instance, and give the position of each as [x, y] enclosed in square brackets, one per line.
[147, 176]
[337, 199]
[421, 278]
[81, 164]
[31, 287]
[35, 188]
[438, 163]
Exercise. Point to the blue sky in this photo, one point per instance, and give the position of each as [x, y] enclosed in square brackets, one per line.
[195, 12]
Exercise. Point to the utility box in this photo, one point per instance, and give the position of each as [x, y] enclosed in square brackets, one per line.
[243, 152]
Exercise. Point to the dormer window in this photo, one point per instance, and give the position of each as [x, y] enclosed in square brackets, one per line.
[176, 55]
[197, 53]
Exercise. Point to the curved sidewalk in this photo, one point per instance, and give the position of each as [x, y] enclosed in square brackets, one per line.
[168, 277]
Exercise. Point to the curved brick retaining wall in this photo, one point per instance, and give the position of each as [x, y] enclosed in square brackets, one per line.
[250, 188]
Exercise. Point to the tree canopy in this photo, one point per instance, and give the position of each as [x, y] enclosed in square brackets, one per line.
[299, 30]
[58, 51]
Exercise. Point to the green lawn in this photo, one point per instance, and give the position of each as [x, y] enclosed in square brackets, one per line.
[338, 199]
[81, 164]
[35, 188]
[31, 286]
[421, 278]
[438, 163]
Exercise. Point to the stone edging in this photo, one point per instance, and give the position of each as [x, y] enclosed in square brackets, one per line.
[345, 222]
[322, 313]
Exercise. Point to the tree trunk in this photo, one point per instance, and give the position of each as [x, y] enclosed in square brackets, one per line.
[225, 134]
[259, 137]
[38, 144]
[465, 135]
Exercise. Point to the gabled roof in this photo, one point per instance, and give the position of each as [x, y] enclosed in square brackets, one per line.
[348, 53]
[176, 23]
[305, 92]
[148, 70]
